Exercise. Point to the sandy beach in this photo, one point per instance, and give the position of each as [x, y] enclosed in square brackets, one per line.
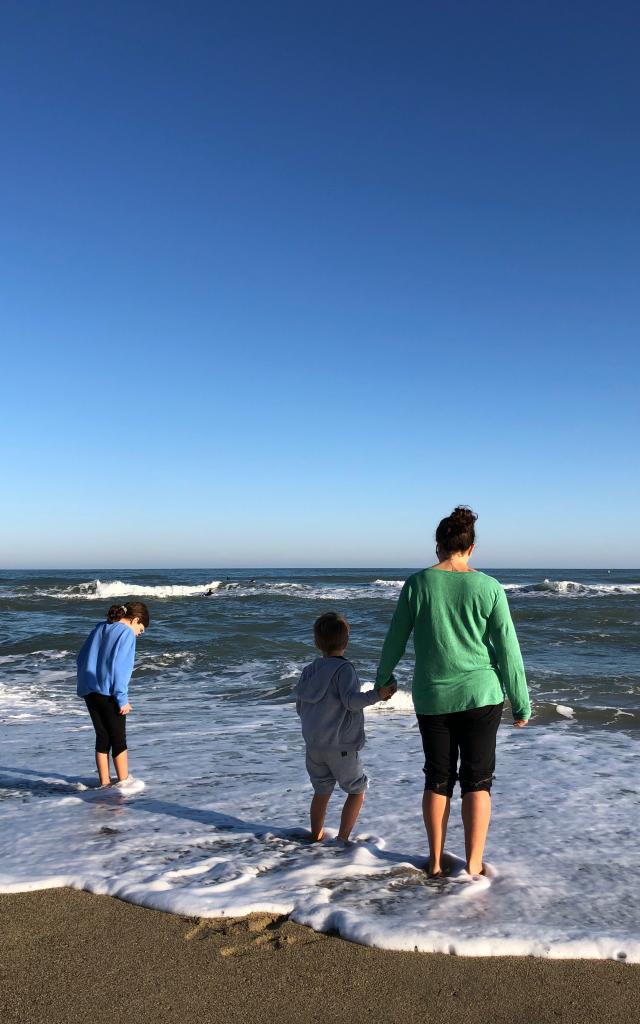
[69, 956]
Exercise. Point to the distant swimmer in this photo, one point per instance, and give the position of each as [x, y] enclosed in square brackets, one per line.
[209, 592]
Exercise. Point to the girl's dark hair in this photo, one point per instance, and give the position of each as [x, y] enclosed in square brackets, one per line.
[331, 632]
[133, 610]
[456, 532]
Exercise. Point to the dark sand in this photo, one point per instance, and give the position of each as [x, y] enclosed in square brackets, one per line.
[68, 956]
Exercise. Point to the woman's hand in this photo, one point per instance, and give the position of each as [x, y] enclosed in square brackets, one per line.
[520, 723]
[387, 692]
[125, 709]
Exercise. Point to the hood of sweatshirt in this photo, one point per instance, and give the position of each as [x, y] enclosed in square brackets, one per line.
[315, 679]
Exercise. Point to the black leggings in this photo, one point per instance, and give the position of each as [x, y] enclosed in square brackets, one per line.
[472, 735]
[110, 725]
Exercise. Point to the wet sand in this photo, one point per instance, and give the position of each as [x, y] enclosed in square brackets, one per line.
[68, 956]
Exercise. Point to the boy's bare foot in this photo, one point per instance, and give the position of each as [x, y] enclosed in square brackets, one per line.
[343, 843]
[317, 838]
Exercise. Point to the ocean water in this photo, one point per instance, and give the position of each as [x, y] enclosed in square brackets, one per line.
[215, 823]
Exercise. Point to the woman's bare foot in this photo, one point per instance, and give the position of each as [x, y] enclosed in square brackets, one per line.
[447, 863]
[475, 871]
[434, 869]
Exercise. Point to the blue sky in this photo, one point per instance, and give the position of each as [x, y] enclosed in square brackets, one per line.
[283, 284]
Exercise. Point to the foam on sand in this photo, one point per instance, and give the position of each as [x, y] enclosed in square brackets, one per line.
[221, 834]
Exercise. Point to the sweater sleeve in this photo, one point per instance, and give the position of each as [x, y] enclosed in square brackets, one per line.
[82, 653]
[348, 686]
[510, 666]
[303, 676]
[397, 637]
[125, 653]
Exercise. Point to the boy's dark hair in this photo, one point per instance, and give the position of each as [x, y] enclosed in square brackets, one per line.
[133, 610]
[331, 632]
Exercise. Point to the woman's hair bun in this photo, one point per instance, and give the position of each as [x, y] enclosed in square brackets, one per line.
[456, 532]
[116, 612]
[463, 515]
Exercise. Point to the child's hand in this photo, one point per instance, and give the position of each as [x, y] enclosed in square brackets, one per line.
[125, 709]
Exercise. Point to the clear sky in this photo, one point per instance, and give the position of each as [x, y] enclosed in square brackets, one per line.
[282, 283]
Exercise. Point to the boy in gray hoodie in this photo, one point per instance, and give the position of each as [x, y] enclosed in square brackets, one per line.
[330, 705]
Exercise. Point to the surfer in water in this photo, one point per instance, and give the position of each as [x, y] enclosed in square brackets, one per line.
[467, 659]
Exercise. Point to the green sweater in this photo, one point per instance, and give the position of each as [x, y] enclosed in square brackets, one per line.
[467, 651]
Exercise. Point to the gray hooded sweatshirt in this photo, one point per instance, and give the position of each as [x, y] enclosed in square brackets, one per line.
[330, 705]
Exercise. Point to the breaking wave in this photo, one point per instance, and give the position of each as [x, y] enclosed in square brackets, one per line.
[99, 590]
[96, 590]
[568, 588]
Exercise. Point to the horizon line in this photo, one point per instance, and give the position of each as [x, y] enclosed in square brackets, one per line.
[263, 568]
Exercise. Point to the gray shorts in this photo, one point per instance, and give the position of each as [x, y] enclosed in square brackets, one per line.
[326, 767]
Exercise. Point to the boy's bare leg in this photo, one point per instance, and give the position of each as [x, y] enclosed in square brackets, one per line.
[102, 764]
[476, 814]
[350, 812]
[435, 811]
[121, 765]
[319, 806]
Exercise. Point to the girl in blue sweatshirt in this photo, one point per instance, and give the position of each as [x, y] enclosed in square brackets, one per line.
[105, 664]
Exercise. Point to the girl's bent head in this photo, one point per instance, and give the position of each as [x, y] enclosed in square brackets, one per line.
[331, 633]
[456, 532]
[135, 613]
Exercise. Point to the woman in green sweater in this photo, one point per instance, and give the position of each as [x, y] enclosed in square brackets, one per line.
[467, 660]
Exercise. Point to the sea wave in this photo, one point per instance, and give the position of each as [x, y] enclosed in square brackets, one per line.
[101, 590]
[569, 588]
[97, 590]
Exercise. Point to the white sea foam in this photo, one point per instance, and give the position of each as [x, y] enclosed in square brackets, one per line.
[97, 590]
[401, 701]
[569, 588]
[220, 590]
[386, 589]
[565, 711]
[34, 658]
[222, 831]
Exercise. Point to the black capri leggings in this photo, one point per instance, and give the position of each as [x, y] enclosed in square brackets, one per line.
[110, 725]
[471, 735]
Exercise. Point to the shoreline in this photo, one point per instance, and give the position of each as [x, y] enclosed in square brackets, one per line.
[160, 968]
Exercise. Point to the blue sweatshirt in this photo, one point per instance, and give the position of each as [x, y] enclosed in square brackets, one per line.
[330, 704]
[105, 662]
